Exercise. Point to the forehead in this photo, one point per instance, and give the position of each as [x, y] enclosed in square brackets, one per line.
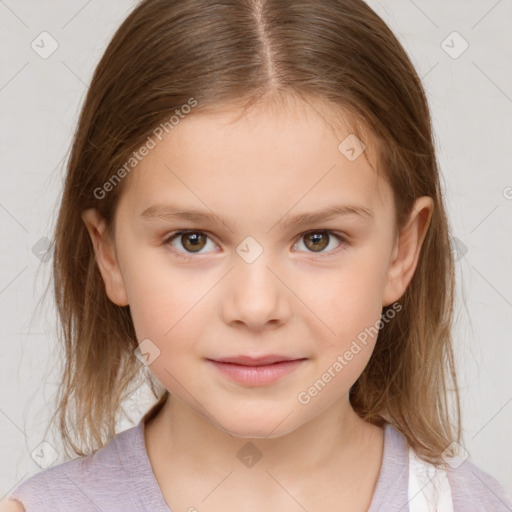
[266, 159]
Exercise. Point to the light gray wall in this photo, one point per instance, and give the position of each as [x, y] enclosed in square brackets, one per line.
[471, 101]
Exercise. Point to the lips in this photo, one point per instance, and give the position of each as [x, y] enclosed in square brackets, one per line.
[256, 371]
[255, 361]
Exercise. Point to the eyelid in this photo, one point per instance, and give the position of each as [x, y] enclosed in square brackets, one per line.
[187, 255]
[341, 237]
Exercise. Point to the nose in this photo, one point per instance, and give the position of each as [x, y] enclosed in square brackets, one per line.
[255, 295]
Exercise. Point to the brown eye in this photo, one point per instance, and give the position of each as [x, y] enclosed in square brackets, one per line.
[191, 241]
[318, 241]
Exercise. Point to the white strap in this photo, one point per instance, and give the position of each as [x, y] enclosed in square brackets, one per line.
[429, 489]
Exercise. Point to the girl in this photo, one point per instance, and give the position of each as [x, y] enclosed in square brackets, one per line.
[252, 218]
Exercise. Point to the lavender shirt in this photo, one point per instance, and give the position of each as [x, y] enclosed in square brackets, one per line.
[119, 478]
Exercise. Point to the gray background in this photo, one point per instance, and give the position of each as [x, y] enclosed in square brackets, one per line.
[471, 102]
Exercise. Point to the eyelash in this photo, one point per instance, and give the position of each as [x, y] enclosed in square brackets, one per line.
[332, 252]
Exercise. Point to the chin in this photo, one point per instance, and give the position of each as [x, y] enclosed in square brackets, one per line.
[257, 432]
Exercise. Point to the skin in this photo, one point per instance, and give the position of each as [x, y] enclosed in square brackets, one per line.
[256, 172]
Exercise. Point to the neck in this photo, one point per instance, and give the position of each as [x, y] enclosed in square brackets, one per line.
[335, 440]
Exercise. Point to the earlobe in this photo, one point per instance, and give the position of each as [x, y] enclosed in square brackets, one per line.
[407, 250]
[105, 257]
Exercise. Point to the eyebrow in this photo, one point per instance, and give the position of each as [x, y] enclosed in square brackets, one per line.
[170, 213]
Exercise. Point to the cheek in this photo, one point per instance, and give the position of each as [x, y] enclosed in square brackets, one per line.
[352, 309]
[350, 299]
[350, 303]
[160, 294]
[167, 317]
[164, 312]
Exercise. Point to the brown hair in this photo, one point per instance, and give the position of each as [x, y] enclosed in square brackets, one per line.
[336, 52]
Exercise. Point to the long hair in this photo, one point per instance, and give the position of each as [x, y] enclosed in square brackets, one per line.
[171, 57]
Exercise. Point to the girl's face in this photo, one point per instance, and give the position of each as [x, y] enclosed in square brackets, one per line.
[291, 254]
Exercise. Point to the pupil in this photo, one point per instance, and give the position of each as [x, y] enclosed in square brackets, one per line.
[192, 240]
[316, 238]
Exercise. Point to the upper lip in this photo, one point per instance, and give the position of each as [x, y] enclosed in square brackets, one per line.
[256, 361]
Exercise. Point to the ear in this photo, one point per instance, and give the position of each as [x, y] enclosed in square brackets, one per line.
[406, 251]
[105, 257]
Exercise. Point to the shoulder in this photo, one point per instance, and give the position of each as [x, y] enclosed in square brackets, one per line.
[97, 479]
[474, 489]
[11, 505]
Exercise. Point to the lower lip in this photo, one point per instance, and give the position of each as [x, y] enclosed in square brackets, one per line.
[257, 375]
